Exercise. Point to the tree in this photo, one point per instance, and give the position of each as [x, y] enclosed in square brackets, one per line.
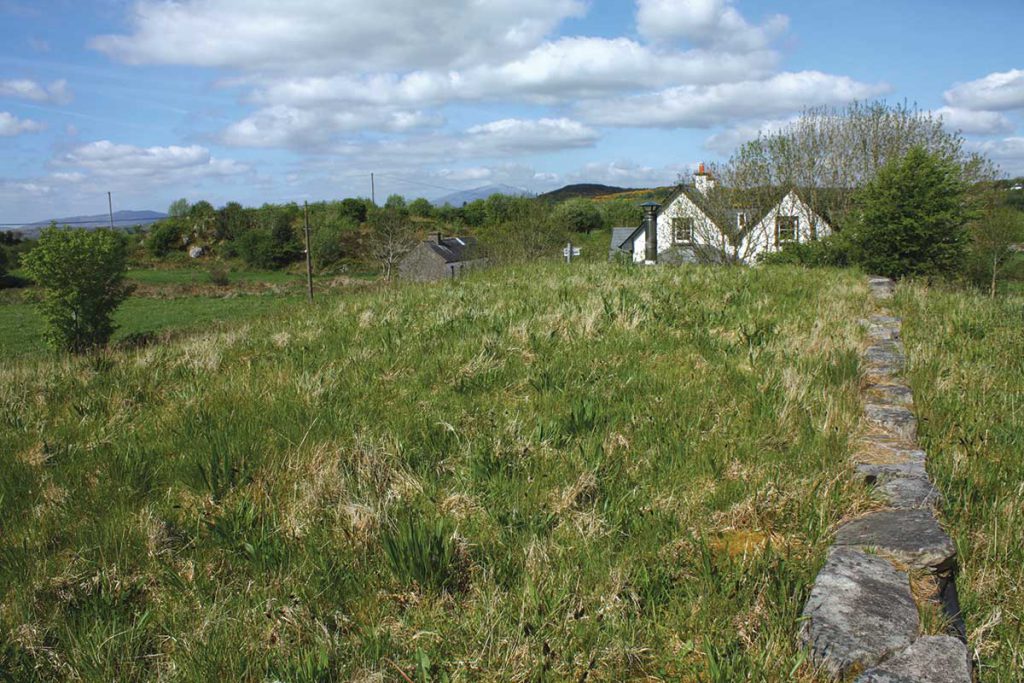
[3, 262]
[391, 237]
[178, 208]
[578, 215]
[395, 202]
[992, 239]
[202, 219]
[911, 218]
[231, 221]
[421, 207]
[164, 237]
[81, 274]
[355, 209]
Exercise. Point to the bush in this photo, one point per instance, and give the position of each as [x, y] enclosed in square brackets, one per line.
[219, 276]
[578, 215]
[831, 251]
[163, 238]
[81, 274]
[911, 219]
[3, 262]
[332, 242]
[268, 249]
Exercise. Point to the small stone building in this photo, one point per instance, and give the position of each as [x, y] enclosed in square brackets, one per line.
[438, 258]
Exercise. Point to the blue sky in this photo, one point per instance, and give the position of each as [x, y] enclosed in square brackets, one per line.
[263, 100]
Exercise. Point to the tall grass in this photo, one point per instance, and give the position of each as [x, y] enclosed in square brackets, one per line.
[637, 470]
[967, 372]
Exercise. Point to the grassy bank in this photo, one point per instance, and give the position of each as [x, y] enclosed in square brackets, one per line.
[545, 473]
[967, 371]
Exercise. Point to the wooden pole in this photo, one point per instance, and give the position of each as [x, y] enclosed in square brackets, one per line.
[373, 191]
[110, 207]
[309, 255]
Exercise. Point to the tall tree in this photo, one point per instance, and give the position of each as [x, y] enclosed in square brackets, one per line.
[911, 217]
[391, 237]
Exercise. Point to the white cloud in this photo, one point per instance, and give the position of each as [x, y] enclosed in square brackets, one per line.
[324, 36]
[1007, 152]
[286, 126]
[11, 125]
[496, 139]
[999, 91]
[726, 141]
[704, 106]
[976, 122]
[707, 23]
[25, 89]
[626, 174]
[105, 158]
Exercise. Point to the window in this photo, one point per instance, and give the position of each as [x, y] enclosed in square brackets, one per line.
[682, 230]
[814, 229]
[741, 220]
[785, 229]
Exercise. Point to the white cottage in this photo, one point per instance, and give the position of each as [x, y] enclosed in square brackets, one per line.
[688, 230]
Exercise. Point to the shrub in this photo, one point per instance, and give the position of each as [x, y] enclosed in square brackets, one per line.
[81, 274]
[3, 262]
[911, 219]
[831, 251]
[163, 238]
[421, 207]
[578, 215]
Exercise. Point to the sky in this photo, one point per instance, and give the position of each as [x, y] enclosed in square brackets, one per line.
[290, 100]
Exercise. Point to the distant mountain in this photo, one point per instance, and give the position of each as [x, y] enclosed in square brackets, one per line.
[582, 190]
[457, 199]
[122, 219]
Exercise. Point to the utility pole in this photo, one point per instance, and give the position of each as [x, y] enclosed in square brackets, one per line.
[373, 191]
[110, 207]
[309, 255]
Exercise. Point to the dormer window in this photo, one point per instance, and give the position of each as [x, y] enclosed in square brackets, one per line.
[786, 229]
[682, 230]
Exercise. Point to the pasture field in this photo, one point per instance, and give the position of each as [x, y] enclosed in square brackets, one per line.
[966, 354]
[592, 472]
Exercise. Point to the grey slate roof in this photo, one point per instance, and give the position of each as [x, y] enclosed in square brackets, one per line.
[619, 236]
[454, 249]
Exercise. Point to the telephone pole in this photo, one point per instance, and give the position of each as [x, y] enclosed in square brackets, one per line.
[309, 256]
[373, 191]
[110, 208]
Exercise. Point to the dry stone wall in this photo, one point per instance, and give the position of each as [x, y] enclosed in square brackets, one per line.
[862, 618]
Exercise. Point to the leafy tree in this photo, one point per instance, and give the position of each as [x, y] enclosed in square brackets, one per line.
[421, 207]
[621, 212]
[991, 240]
[355, 209]
[474, 213]
[231, 221]
[81, 274]
[202, 219]
[912, 218]
[164, 237]
[332, 241]
[3, 262]
[178, 208]
[395, 202]
[578, 215]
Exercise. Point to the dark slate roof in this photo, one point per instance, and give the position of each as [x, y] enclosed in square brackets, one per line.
[619, 237]
[453, 249]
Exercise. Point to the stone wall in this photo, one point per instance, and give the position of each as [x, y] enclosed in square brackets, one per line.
[863, 615]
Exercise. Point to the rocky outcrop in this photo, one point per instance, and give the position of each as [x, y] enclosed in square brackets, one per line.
[861, 615]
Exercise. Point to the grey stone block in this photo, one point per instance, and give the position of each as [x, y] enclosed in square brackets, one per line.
[931, 659]
[879, 449]
[889, 353]
[895, 420]
[890, 394]
[910, 492]
[912, 537]
[877, 474]
[860, 611]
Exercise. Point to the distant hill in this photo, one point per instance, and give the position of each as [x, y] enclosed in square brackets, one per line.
[587, 190]
[457, 199]
[122, 219]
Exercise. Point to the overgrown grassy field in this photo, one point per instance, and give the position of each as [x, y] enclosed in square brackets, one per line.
[967, 370]
[542, 473]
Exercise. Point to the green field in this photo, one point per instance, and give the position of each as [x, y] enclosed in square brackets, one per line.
[534, 473]
[198, 276]
[967, 371]
[23, 326]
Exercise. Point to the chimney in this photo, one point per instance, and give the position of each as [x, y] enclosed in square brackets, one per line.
[702, 180]
[651, 232]
[434, 238]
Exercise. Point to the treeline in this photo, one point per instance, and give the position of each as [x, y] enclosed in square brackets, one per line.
[348, 232]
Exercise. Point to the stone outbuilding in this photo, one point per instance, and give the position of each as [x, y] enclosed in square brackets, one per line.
[439, 258]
